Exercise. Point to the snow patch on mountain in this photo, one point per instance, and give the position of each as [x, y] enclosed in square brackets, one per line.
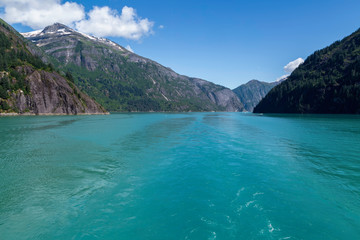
[32, 34]
[59, 29]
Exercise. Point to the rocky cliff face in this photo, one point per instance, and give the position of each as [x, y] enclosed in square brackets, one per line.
[28, 86]
[123, 81]
[221, 96]
[251, 93]
[50, 93]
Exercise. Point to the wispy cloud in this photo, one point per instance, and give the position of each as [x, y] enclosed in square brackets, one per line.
[290, 67]
[100, 21]
[282, 77]
[129, 48]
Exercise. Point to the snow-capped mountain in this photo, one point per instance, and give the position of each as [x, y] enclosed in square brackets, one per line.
[124, 81]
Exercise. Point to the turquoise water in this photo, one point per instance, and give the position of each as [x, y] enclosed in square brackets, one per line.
[180, 176]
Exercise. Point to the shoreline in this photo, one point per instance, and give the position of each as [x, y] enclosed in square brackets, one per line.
[50, 114]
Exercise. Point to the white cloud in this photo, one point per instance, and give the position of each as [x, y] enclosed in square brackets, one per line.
[107, 22]
[129, 48]
[100, 21]
[291, 66]
[41, 13]
[282, 77]
[161, 26]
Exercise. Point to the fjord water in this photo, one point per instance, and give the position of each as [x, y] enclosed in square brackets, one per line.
[180, 176]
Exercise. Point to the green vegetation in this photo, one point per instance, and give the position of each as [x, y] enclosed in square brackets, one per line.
[327, 82]
[120, 85]
[14, 54]
[122, 81]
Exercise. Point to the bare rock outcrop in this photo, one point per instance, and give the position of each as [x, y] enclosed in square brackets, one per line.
[50, 93]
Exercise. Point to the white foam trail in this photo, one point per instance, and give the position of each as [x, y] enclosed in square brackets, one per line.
[257, 193]
[249, 203]
[228, 219]
[207, 221]
[271, 228]
[240, 190]
[213, 236]
[258, 207]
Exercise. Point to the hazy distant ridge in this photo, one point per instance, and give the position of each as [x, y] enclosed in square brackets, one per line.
[251, 93]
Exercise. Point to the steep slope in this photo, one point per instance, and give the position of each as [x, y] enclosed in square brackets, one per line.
[27, 85]
[124, 81]
[251, 93]
[327, 82]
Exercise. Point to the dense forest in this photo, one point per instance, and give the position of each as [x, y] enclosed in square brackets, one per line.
[327, 82]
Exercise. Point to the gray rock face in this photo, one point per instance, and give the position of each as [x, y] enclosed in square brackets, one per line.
[219, 95]
[251, 93]
[50, 93]
[123, 81]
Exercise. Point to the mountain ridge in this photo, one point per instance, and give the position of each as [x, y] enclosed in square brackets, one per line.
[251, 93]
[124, 81]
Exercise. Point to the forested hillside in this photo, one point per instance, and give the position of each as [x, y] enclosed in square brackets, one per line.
[327, 82]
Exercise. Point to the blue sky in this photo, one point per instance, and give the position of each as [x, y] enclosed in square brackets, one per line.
[227, 42]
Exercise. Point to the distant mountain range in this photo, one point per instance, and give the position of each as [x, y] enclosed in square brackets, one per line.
[251, 93]
[123, 81]
[42, 76]
[29, 86]
[327, 82]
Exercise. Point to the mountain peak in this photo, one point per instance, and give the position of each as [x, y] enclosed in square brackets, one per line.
[251, 93]
[253, 81]
[57, 28]
[125, 81]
